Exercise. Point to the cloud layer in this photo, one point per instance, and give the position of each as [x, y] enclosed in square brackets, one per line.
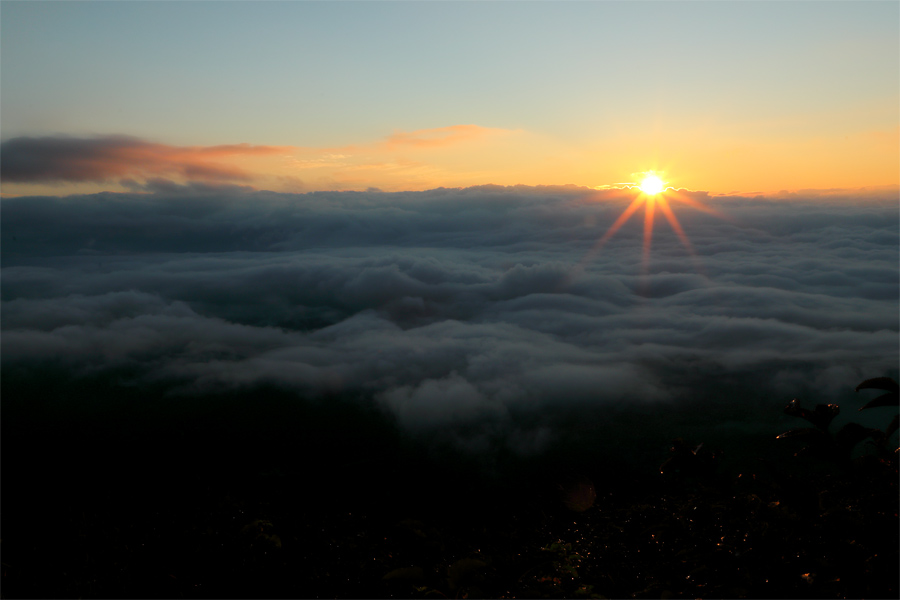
[462, 313]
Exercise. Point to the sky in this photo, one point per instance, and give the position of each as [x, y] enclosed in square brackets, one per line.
[429, 209]
[724, 97]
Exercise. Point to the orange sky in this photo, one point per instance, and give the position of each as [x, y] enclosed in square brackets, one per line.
[465, 155]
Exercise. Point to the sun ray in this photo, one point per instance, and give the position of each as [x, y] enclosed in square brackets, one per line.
[652, 194]
[676, 226]
[684, 199]
[626, 214]
[648, 230]
[679, 231]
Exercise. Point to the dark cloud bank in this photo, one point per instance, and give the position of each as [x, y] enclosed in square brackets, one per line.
[59, 159]
[465, 318]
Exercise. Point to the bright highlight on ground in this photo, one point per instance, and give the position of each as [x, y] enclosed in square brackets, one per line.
[652, 185]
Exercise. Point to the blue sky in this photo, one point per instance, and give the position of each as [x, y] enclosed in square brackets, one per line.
[678, 83]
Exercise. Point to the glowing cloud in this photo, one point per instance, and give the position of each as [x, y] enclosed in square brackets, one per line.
[441, 136]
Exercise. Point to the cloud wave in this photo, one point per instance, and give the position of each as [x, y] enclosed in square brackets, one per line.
[461, 312]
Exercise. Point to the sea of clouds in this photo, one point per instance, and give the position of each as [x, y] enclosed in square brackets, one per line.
[472, 314]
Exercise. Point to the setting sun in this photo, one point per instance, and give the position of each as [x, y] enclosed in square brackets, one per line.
[652, 185]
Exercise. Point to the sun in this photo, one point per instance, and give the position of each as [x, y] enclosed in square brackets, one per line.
[652, 185]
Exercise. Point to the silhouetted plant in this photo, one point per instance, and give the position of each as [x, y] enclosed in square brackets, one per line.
[839, 446]
[821, 417]
[819, 441]
[892, 398]
[880, 438]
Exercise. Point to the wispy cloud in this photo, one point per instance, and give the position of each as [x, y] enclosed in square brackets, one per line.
[402, 160]
[440, 136]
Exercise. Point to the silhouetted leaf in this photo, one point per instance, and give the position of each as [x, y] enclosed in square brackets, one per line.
[880, 383]
[895, 424]
[890, 399]
[794, 409]
[825, 413]
[807, 432]
[821, 417]
[850, 435]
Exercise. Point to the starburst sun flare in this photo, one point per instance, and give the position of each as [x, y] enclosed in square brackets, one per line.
[653, 194]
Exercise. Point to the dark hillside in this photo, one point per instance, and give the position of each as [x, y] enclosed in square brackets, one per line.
[261, 495]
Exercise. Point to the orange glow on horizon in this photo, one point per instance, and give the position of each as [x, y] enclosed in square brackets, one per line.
[465, 155]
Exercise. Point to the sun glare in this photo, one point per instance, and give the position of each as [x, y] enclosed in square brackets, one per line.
[652, 185]
[655, 198]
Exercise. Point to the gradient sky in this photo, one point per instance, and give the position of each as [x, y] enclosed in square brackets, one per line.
[300, 96]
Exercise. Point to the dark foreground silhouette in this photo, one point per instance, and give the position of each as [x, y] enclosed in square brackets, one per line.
[272, 499]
